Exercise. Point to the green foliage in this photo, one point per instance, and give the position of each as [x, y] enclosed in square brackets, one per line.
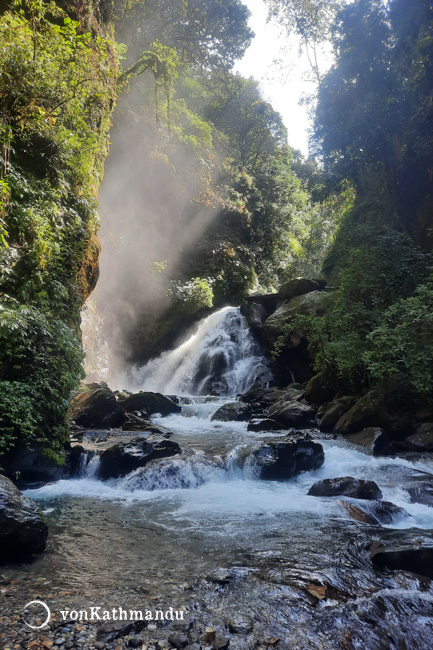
[400, 350]
[163, 61]
[374, 120]
[378, 272]
[206, 33]
[191, 296]
[40, 360]
[56, 95]
[234, 273]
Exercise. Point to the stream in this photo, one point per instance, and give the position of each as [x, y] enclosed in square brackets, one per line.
[260, 562]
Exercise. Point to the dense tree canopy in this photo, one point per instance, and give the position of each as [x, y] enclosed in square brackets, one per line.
[203, 32]
[375, 116]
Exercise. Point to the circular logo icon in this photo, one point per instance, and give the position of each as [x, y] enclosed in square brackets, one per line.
[35, 611]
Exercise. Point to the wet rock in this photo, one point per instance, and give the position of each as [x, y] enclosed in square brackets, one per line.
[374, 440]
[264, 424]
[373, 411]
[165, 473]
[293, 414]
[334, 411]
[221, 643]
[239, 624]
[208, 636]
[97, 409]
[220, 576]
[150, 403]
[256, 314]
[298, 287]
[396, 555]
[270, 301]
[177, 640]
[282, 460]
[418, 484]
[422, 494]
[112, 631]
[345, 486]
[31, 466]
[125, 457]
[135, 423]
[73, 459]
[235, 411]
[262, 395]
[23, 531]
[422, 440]
[374, 512]
[135, 642]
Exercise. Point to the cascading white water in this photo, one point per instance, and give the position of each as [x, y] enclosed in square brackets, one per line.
[220, 357]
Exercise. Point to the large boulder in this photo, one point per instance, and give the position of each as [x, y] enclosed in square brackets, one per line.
[373, 440]
[373, 411]
[374, 512]
[255, 314]
[97, 409]
[235, 411]
[298, 287]
[27, 466]
[294, 361]
[321, 388]
[293, 414]
[136, 424]
[23, 531]
[271, 395]
[150, 403]
[124, 457]
[276, 325]
[422, 440]
[258, 308]
[345, 486]
[264, 424]
[282, 460]
[334, 411]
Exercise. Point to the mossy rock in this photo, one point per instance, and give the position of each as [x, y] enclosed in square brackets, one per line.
[313, 303]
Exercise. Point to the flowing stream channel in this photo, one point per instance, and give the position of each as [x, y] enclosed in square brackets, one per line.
[201, 532]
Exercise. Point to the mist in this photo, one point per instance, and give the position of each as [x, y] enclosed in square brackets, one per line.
[153, 213]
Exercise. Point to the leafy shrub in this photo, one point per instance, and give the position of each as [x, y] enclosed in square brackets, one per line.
[401, 347]
[40, 359]
[377, 327]
[192, 295]
[56, 95]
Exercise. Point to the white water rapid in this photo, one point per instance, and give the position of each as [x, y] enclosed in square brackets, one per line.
[220, 357]
[168, 531]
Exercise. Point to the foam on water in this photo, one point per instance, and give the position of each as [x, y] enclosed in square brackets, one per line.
[218, 485]
[172, 473]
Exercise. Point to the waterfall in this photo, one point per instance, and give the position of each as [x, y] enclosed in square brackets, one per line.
[89, 465]
[221, 357]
